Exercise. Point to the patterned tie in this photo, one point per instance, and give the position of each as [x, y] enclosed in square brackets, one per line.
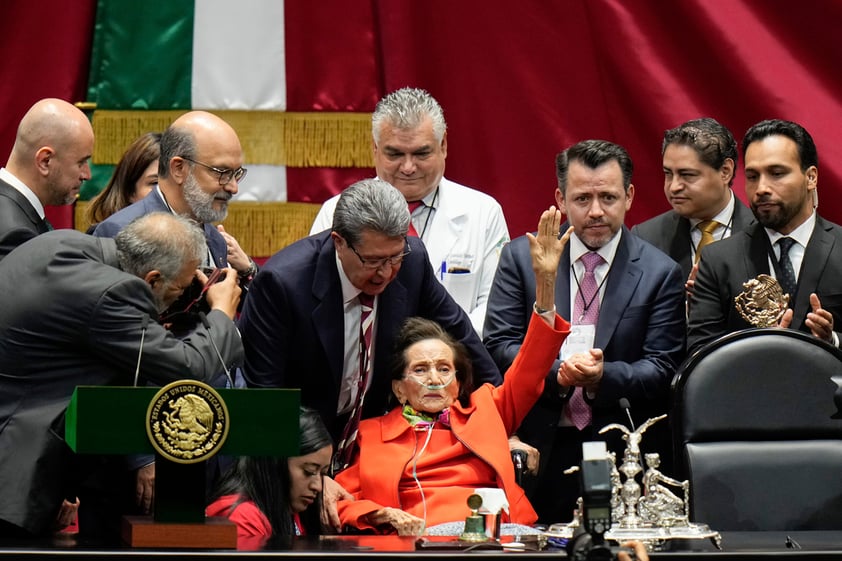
[585, 312]
[707, 228]
[412, 206]
[345, 448]
[787, 273]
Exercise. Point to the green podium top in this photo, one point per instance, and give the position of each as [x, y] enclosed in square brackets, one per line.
[112, 420]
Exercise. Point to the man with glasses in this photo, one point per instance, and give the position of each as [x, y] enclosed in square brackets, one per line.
[199, 170]
[323, 312]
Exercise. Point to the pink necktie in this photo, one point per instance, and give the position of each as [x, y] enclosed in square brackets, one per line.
[344, 450]
[412, 206]
[585, 312]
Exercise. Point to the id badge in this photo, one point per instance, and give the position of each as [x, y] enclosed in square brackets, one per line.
[580, 340]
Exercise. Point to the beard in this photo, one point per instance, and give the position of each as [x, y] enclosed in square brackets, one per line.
[201, 203]
[777, 218]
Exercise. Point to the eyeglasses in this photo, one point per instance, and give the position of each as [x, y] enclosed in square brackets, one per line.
[225, 174]
[373, 264]
[424, 373]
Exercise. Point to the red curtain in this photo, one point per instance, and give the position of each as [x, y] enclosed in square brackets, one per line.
[519, 81]
[46, 52]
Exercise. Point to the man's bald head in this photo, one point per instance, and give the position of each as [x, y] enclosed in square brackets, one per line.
[193, 149]
[52, 150]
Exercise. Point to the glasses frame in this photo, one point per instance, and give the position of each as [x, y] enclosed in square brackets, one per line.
[235, 174]
[375, 264]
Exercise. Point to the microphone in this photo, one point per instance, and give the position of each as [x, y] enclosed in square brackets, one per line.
[144, 321]
[624, 405]
[207, 325]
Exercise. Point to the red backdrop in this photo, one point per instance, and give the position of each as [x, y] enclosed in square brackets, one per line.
[519, 81]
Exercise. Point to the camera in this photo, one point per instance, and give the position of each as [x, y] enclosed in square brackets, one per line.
[588, 543]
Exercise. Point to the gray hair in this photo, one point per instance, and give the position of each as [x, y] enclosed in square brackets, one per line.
[406, 108]
[159, 241]
[175, 141]
[370, 204]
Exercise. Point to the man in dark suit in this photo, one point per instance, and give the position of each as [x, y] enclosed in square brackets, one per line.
[781, 170]
[48, 163]
[631, 351]
[301, 321]
[199, 170]
[93, 299]
[700, 161]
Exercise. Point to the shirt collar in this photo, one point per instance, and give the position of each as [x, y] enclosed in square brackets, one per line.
[802, 234]
[21, 187]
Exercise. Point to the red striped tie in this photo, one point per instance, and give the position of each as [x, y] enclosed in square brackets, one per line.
[345, 448]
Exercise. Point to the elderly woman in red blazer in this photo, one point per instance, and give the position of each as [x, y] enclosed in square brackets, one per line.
[416, 466]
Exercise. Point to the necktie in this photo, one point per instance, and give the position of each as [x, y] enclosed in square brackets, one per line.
[787, 273]
[585, 312]
[48, 226]
[412, 206]
[707, 228]
[344, 450]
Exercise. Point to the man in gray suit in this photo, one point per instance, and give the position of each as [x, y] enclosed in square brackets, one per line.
[75, 311]
[630, 350]
[789, 241]
[48, 163]
[700, 161]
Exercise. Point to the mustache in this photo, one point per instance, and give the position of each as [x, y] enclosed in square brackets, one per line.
[223, 196]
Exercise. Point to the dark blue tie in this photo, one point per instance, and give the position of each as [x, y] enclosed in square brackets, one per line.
[787, 273]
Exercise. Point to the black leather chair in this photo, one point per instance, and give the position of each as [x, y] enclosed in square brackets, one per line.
[752, 430]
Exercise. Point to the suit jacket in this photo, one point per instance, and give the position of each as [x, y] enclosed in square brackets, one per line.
[19, 222]
[640, 330]
[73, 318]
[467, 231]
[726, 266]
[152, 202]
[293, 324]
[670, 232]
[387, 444]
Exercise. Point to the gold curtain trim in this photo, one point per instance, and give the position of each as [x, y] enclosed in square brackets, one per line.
[261, 228]
[268, 137]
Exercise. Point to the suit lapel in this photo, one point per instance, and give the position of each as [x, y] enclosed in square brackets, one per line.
[562, 285]
[24, 204]
[757, 260]
[815, 260]
[331, 332]
[681, 240]
[623, 279]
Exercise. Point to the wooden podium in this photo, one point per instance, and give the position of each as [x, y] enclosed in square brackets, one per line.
[113, 420]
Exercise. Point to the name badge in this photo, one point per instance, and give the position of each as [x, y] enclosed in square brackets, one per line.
[580, 340]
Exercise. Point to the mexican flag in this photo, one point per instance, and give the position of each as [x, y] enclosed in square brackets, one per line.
[150, 63]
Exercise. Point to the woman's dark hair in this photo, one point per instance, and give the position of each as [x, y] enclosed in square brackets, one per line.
[417, 329]
[266, 481]
[121, 187]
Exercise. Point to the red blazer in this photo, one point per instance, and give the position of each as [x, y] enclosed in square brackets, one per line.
[388, 444]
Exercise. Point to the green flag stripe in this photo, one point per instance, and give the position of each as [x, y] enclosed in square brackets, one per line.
[142, 55]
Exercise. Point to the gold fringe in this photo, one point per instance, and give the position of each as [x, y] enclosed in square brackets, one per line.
[261, 228]
[268, 137]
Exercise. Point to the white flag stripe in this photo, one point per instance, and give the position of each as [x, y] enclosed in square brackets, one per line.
[263, 183]
[238, 55]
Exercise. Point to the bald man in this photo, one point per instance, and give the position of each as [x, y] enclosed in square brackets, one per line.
[199, 170]
[48, 163]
